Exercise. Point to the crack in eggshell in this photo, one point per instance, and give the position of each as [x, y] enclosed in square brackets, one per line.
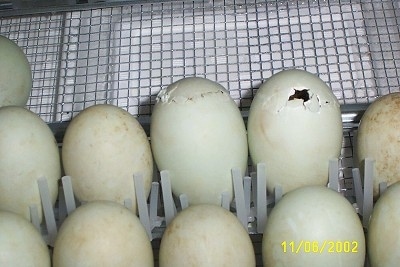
[164, 96]
[313, 104]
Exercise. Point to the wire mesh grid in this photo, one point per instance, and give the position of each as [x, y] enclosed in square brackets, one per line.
[125, 55]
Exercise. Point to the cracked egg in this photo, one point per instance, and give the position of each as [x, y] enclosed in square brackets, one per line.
[295, 128]
[198, 135]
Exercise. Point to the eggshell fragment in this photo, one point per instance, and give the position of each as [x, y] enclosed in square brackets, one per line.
[21, 244]
[383, 235]
[313, 226]
[15, 74]
[198, 135]
[295, 128]
[206, 235]
[378, 138]
[104, 147]
[102, 233]
[28, 151]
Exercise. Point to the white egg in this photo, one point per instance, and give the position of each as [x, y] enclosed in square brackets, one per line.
[103, 148]
[21, 244]
[313, 226]
[15, 74]
[28, 151]
[102, 233]
[379, 138]
[383, 239]
[206, 235]
[198, 135]
[295, 128]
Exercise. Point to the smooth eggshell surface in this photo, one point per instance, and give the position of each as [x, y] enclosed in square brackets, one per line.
[313, 215]
[198, 135]
[15, 74]
[206, 235]
[28, 151]
[378, 138]
[104, 146]
[21, 244]
[295, 138]
[102, 233]
[383, 235]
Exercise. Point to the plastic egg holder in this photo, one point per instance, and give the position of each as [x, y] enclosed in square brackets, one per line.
[364, 196]
[247, 190]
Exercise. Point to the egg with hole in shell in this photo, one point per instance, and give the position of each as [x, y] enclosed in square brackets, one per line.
[28, 152]
[15, 74]
[21, 244]
[313, 226]
[295, 128]
[378, 138]
[198, 134]
[206, 235]
[103, 148]
[102, 233]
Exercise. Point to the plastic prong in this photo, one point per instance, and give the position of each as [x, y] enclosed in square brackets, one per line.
[141, 201]
[154, 194]
[368, 190]
[261, 197]
[333, 175]
[47, 210]
[62, 207]
[358, 190]
[382, 187]
[241, 211]
[169, 205]
[247, 193]
[184, 201]
[225, 200]
[68, 194]
[278, 193]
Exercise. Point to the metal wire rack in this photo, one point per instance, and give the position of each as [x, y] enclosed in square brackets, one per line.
[125, 54]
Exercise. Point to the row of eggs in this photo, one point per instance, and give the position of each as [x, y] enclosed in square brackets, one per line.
[310, 226]
[197, 133]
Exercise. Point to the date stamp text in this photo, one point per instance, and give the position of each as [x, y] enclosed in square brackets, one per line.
[310, 246]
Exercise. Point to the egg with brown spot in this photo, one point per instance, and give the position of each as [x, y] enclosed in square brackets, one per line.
[206, 235]
[104, 146]
[378, 138]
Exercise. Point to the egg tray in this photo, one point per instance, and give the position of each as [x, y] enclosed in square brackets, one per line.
[251, 204]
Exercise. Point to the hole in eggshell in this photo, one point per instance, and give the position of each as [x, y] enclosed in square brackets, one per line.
[300, 94]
